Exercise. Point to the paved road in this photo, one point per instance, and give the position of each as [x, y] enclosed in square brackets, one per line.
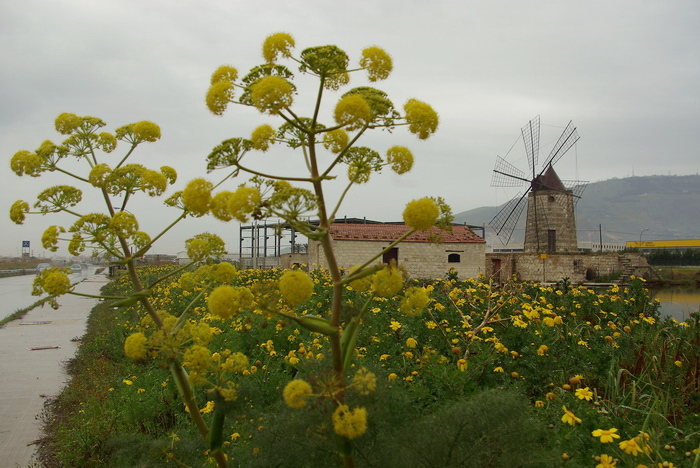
[28, 377]
[16, 291]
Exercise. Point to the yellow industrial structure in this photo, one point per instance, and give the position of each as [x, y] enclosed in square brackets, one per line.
[665, 244]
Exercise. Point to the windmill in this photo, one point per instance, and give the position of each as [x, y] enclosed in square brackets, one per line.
[550, 224]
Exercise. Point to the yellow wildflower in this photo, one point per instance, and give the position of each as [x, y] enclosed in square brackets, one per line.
[606, 435]
[569, 417]
[584, 394]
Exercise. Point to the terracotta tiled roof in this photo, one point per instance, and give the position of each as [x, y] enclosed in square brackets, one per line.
[391, 232]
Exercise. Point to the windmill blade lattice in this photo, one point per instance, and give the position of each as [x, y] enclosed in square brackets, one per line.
[567, 139]
[577, 187]
[531, 138]
[507, 175]
[505, 220]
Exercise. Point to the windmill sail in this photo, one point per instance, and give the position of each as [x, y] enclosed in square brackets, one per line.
[531, 138]
[566, 141]
[507, 175]
[505, 220]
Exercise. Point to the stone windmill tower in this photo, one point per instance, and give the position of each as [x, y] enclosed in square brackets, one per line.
[551, 222]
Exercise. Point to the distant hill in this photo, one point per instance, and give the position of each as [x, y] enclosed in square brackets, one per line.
[664, 207]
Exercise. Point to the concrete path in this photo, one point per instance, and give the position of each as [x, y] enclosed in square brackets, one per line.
[28, 377]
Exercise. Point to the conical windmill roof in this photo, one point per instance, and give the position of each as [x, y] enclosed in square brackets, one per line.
[548, 181]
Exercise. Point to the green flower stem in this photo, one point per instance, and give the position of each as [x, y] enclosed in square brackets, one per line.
[173, 273]
[359, 274]
[340, 200]
[268, 176]
[183, 385]
[92, 296]
[185, 313]
[147, 247]
[131, 150]
[70, 174]
[345, 150]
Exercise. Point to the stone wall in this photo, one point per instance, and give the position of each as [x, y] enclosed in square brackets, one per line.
[421, 259]
[550, 211]
[577, 267]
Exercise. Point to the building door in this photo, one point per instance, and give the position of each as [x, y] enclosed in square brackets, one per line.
[496, 269]
[392, 254]
[551, 240]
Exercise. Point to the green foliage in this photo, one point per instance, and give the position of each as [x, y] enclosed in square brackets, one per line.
[640, 368]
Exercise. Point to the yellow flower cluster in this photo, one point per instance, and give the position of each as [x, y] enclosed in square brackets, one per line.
[336, 140]
[296, 286]
[364, 381]
[414, 301]
[56, 283]
[421, 214]
[422, 119]
[66, 123]
[18, 211]
[400, 158]
[218, 96]
[228, 301]
[243, 202]
[262, 137]
[197, 196]
[377, 62]
[24, 162]
[349, 424]
[135, 346]
[353, 112]
[124, 224]
[277, 44]
[296, 392]
[271, 93]
[387, 282]
[49, 239]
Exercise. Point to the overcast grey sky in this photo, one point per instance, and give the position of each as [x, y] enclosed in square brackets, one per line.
[626, 72]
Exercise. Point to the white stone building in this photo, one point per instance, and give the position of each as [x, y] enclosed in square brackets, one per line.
[354, 244]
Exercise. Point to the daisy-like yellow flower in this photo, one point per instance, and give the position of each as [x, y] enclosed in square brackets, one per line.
[498, 369]
[584, 394]
[395, 325]
[462, 365]
[606, 461]
[569, 417]
[208, 408]
[606, 436]
[631, 447]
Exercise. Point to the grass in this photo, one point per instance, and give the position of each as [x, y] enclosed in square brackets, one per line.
[679, 276]
[20, 313]
[527, 352]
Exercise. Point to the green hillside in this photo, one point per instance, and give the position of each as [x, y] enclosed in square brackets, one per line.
[664, 207]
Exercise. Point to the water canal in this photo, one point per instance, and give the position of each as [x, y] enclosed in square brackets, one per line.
[678, 301]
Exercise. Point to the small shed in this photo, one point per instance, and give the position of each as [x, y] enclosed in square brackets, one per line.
[424, 254]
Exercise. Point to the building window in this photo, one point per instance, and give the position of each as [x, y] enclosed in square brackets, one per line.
[453, 258]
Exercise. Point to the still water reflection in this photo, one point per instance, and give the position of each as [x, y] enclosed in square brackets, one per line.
[678, 302]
